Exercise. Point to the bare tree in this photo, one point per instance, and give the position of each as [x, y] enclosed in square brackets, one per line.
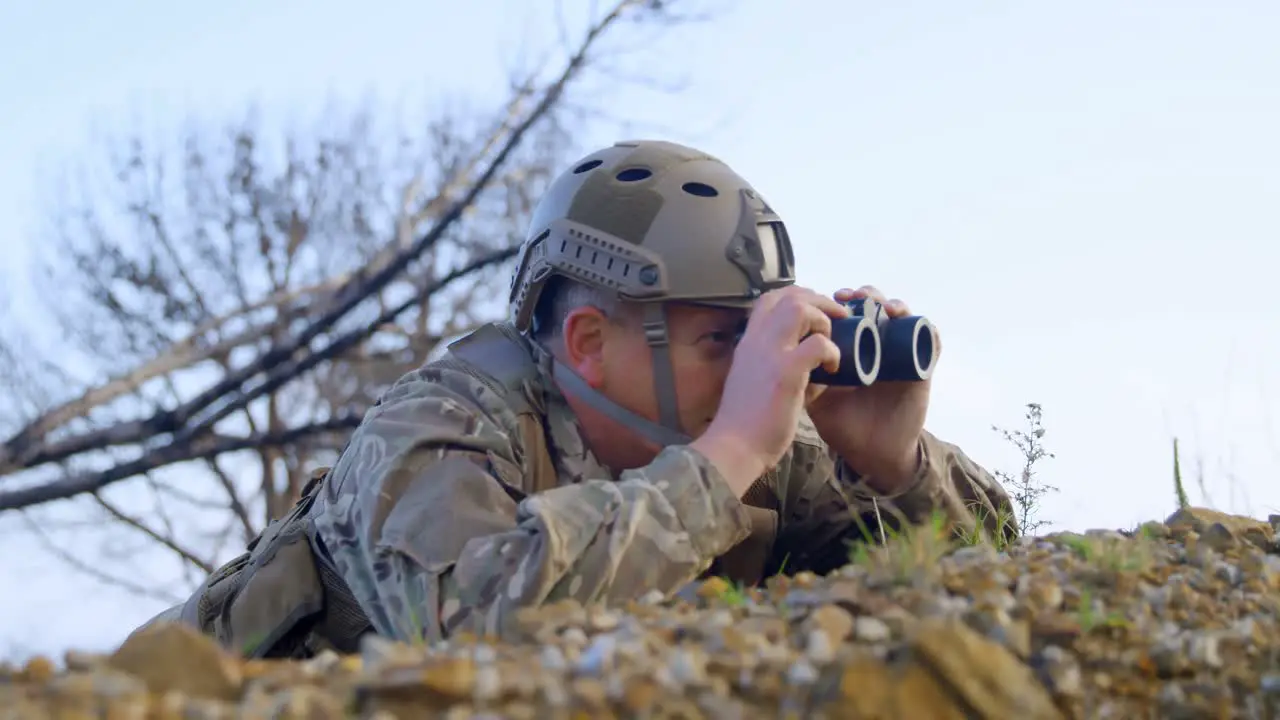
[228, 306]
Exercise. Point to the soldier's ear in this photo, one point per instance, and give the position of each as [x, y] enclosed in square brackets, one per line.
[584, 332]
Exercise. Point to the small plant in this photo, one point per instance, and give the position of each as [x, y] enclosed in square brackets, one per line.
[251, 644]
[416, 629]
[1112, 553]
[734, 595]
[783, 567]
[1027, 489]
[1179, 492]
[1089, 619]
[1132, 555]
[981, 531]
[902, 552]
[1080, 545]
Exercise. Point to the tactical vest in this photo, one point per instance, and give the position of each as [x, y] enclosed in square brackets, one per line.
[281, 598]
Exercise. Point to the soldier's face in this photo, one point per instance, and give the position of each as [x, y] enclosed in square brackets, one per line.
[701, 342]
[614, 358]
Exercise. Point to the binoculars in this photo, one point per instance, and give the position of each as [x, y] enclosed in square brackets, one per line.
[875, 347]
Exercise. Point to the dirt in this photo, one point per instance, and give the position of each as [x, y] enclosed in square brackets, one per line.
[1177, 619]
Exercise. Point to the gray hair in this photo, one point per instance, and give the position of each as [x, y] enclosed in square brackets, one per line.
[562, 296]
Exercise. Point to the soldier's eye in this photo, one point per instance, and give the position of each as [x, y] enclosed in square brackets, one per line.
[727, 336]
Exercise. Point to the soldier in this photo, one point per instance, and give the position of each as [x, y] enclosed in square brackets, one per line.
[644, 418]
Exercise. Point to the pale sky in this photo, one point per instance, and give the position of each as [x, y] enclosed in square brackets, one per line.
[1081, 195]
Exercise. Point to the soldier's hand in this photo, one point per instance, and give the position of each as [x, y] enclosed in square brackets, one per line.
[787, 336]
[876, 429]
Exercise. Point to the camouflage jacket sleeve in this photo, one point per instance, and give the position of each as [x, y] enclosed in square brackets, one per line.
[425, 518]
[827, 505]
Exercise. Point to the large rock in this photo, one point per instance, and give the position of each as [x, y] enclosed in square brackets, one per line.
[953, 673]
[1222, 530]
[171, 657]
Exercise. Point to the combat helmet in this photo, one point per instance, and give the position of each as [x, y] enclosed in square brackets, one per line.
[651, 222]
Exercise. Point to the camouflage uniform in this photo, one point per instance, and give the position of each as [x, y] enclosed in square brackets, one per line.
[468, 492]
[419, 516]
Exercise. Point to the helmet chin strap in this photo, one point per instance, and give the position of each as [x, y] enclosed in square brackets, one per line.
[669, 432]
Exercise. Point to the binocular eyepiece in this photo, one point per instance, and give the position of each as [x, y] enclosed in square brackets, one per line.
[875, 347]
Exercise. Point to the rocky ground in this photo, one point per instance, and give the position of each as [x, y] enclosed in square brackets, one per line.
[1174, 620]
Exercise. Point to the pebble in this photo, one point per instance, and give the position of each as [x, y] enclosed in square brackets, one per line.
[871, 629]
[1202, 648]
[1180, 619]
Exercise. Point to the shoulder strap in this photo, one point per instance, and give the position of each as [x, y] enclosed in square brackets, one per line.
[494, 355]
[541, 471]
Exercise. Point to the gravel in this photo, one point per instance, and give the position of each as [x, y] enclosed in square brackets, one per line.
[1175, 620]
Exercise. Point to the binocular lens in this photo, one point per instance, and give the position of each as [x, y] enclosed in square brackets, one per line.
[875, 347]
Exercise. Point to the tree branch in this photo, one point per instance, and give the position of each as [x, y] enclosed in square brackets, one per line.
[201, 448]
[234, 502]
[201, 412]
[183, 354]
[166, 540]
[75, 562]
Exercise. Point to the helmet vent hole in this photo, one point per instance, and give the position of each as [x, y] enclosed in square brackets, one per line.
[633, 174]
[588, 165]
[699, 189]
